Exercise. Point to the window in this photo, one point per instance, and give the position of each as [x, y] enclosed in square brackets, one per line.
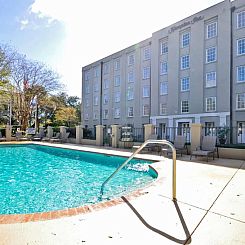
[130, 94]
[117, 113]
[106, 68]
[96, 71]
[185, 62]
[146, 72]
[106, 83]
[146, 110]
[117, 65]
[185, 39]
[210, 79]
[210, 104]
[241, 46]
[240, 101]
[147, 54]
[95, 115]
[106, 98]
[117, 96]
[131, 77]
[163, 68]
[163, 88]
[241, 19]
[211, 54]
[184, 106]
[96, 86]
[212, 30]
[117, 81]
[146, 91]
[106, 114]
[86, 116]
[96, 100]
[241, 74]
[87, 88]
[164, 47]
[130, 111]
[131, 59]
[185, 84]
[86, 102]
[163, 109]
[86, 75]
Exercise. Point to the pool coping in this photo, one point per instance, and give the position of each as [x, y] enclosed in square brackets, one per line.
[50, 215]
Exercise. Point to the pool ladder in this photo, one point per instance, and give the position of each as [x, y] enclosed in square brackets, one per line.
[162, 142]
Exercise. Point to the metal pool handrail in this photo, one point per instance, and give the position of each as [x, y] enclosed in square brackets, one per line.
[163, 142]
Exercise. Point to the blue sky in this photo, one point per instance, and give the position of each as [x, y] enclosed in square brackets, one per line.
[69, 34]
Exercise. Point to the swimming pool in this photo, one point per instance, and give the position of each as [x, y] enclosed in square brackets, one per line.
[36, 178]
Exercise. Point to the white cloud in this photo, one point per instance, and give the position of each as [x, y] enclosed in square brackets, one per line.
[96, 28]
[23, 24]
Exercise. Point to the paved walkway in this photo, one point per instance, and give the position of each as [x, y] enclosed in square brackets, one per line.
[210, 210]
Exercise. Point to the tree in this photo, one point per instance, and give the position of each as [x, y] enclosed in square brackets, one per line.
[67, 116]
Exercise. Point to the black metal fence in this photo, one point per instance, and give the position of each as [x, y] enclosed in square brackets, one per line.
[89, 133]
[169, 133]
[72, 132]
[226, 135]
[138, 134]
[3, 132]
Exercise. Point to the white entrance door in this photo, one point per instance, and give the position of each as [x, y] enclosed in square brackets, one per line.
[241, 132]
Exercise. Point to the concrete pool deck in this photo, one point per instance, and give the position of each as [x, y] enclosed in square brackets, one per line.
[210, 209]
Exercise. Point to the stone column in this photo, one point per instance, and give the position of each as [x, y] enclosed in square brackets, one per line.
[41, 131]
[99, 135]
[50, 132]
[116, 134]
[149, 130]
[196, 132]
[62, 132]
[8, 133]
[79, 134]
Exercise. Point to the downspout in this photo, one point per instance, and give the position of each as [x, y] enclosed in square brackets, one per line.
[150, 87]
[101, 79]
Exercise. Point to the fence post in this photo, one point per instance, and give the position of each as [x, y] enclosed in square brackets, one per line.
[149, 130]
[62, 132]
[99, 135]
[50, 132]
[196, 132]
[41, 131]
[8, 132]
[116, 130]
[79, 134]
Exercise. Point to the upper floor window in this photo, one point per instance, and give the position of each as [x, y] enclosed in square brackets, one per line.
[130, 111]
[131, 59]
[163, 88]
[87, 89]
[95, 115]
[241, 46]
[164, 47]
[241, 74]
[185, 84]
[185, 39]
[96, 100]
[106, 83]
[117, 113]
[106, 99]
[146, 110]
[210, 104]
[106, 68]
[184, 106]
[163, 109]
[212, 30]
[117, 96]
[163, 68]
[241, 19]
[117, 81]
[106, 114]
[210, 79]
[240, 101]
[146, 72]
[86, 75]
[131, 77]
[147, 53]
[130, 94]
[96, 71]
[146, 91]
[86, 116]
[117, 64]
[86, 102]
[211, 54]
[185, 62]
[96, 86]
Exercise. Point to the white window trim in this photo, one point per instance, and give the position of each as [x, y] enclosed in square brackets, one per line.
[117, 98]
[147, 68]
[216, 26]
[237, 49]
[162, 72]
[182, 43]
[239, 109]
[143, 114]
[215, 81]
[104, 117]
[208, 62]
[182, 107]
[181, 67]
[161, 47]
[129, 55]
[238, 74]
[129, 111]
[148, 88]
[237, 20]
[144, 53]
[213, 97]
[161, 109]
[117, 116]
[181, 80]
[165, 93]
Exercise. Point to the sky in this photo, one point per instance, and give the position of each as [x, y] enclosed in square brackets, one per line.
[70, 34]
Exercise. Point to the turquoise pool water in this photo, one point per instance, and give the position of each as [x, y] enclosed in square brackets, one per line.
[35, 178]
